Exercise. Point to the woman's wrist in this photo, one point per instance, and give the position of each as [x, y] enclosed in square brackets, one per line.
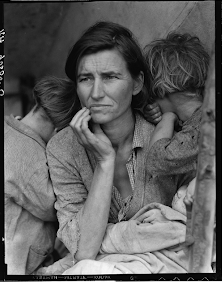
[109, 162]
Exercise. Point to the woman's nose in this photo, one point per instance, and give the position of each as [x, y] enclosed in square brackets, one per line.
[97, 90]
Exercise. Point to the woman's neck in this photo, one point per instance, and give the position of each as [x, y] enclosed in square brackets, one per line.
[120, 131]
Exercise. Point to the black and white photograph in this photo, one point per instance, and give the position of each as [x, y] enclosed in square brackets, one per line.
[109, 140]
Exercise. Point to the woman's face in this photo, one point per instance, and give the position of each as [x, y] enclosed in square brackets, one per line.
[105, 86]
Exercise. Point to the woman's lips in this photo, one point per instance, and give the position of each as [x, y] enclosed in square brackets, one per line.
[98, 106]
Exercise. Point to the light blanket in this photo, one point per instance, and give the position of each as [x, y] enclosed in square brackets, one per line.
[138, 247]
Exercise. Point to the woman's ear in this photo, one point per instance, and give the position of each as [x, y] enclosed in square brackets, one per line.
[138, 84]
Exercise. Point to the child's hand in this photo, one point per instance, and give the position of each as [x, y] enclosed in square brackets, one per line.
[152, 113]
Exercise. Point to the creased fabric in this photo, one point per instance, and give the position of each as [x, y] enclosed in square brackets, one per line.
[72, 167]
[30, 216]
[131, 237]
[136, 247]
[56, 268]
[179, 154]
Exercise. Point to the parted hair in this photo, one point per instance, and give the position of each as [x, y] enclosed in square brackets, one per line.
[106, 35]
[56, 96]
[178, 63]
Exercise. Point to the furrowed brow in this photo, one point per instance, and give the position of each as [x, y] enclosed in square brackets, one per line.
[84, 74]
[111, 73]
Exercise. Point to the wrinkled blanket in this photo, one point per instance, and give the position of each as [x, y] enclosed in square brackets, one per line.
[137, 246]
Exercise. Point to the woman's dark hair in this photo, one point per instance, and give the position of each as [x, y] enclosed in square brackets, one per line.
[108, 36]
[56, 96]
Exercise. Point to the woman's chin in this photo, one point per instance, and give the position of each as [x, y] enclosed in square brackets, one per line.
[100, 119]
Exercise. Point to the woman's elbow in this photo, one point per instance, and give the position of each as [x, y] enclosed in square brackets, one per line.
[85, 254]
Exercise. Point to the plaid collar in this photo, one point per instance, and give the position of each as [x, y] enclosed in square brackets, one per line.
[138, 132]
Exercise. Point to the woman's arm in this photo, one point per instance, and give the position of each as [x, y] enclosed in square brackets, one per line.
[83, 215]
[83, 197]
[95, 212]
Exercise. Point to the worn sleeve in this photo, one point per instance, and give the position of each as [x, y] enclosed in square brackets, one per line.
[28, 240]
[175, 156]
[71, 195]
[39, 197]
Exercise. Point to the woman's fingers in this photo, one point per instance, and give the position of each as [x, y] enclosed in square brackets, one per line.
[79, 121]
[147, 220]
[76, 117]
[79, 124]
[154, 215]
[86, 132]
[83, 131]
[96, 128]
[144, 216]
[95, 141]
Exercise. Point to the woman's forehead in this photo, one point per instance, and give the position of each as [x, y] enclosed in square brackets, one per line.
[106, 60]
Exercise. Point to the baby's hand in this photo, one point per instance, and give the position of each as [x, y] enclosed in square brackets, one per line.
[152, 216]
[152, 113]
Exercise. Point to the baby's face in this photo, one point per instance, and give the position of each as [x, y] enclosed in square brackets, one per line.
[184, 191]
[177, 203]
[191, 187]
[190, 192]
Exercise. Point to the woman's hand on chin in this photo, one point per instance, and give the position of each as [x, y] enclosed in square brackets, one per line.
[95, 141]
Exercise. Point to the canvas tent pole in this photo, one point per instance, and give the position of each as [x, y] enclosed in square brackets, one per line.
[203, 209]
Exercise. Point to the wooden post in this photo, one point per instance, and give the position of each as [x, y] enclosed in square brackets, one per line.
[203, 209]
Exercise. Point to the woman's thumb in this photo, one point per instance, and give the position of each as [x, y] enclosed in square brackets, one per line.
[96, 128]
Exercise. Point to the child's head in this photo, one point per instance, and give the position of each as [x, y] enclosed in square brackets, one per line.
[56, 97]
[178, 63]
[184, 192]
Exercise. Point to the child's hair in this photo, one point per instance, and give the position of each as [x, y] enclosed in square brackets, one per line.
[178, 63]
[56, 96]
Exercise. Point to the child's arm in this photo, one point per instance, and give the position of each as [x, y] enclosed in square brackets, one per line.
[165, 128]
[178, 154]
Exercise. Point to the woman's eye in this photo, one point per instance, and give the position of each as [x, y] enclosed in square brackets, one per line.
[110, 77]
[84, 79]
